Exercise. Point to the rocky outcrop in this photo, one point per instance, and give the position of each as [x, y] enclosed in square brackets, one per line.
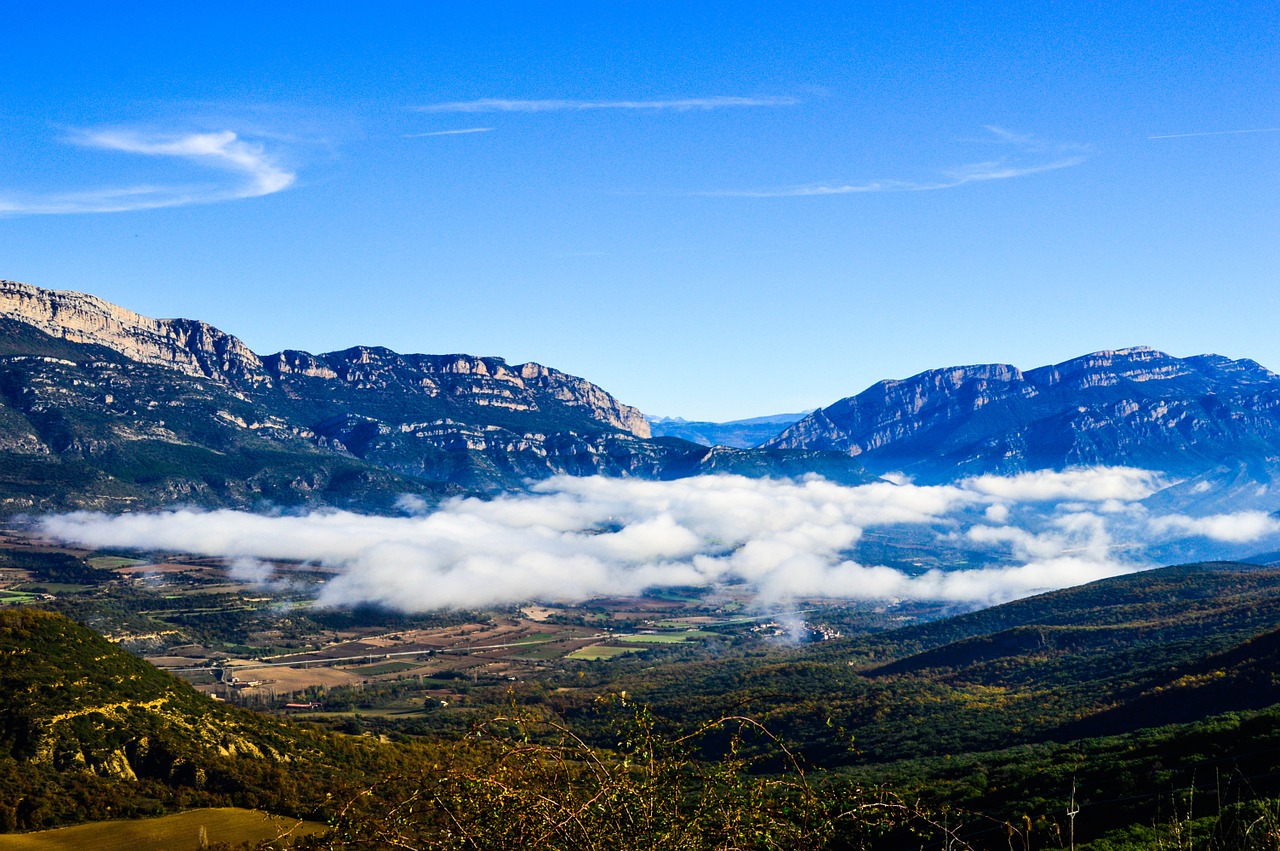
[470, 387]
[456, 381]
[102, 408]
[581, 393]
[1134, 406]
[189, 346]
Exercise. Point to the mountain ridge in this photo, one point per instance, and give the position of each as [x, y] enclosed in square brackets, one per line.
[479, 424]
[1136, 406]
[198, 349]
[114, 411]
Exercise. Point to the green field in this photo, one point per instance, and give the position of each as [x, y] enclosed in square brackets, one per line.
[202, 678]
[195, 829]
[386, 668]
[660, 638]
[537, 638]
[113, 562]
[542, 652]
[601, 651]
[51, 588]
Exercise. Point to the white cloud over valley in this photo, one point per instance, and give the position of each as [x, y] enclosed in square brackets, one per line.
[1240, 527]
[571, 539]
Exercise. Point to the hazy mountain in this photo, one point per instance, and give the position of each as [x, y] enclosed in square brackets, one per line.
[1208, 419]
[740, 434]
[102, 407]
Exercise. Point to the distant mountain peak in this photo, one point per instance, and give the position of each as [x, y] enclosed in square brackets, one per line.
[739, 434]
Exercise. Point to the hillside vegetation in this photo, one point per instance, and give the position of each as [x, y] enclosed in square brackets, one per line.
[1146, 705]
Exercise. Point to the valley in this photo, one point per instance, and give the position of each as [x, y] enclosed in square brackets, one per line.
[640, 427]
[263, 644]
[1132, 692]
[441, 601]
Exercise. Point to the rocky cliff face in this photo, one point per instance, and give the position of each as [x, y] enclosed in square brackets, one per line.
[198, 349]
[444, 385]
[103, 408]
[191, 347]
[1133, 406]
[579, 392]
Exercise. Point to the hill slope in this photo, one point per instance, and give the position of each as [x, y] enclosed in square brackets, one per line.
[1109, 657]
[88, 731]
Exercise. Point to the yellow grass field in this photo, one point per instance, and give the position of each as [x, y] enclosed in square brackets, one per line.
[179, 832]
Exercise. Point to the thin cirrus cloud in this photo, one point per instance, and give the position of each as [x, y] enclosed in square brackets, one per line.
[486, 105]
[1216, 133]
[462, 131]
[1024, 155]
[972, 173]
[256, 174]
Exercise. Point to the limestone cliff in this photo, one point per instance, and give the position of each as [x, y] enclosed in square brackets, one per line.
[442, 385]
[577, 391]
[1135, 406]
[466, 387]
[189, 346]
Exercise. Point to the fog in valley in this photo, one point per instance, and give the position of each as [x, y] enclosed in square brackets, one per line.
[570, 539]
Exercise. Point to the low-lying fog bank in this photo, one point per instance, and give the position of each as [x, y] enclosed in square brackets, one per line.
[570, 539]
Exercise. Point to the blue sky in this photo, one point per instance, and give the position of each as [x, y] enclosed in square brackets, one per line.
[713, 211]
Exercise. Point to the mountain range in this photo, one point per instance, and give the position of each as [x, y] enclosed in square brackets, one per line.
[1136, 406]
[1209, 421]
[102, 407]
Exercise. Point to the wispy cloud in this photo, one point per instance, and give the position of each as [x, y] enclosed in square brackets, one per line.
[1029, 155]
[677, 105]
[459, 132]
[972, 173]
[1216, 133]
[258, 172]
[1000, 134]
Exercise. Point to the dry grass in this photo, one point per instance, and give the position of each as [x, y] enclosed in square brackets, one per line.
[190, 830]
